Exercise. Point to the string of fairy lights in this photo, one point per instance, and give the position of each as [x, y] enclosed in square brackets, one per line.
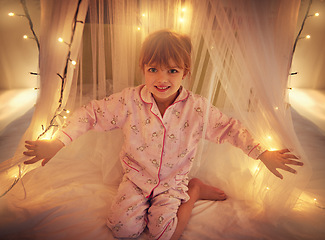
[60, 112]
[299, 37]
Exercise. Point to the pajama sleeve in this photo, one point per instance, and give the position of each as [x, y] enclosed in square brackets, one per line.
[224, 129]
[101, 115]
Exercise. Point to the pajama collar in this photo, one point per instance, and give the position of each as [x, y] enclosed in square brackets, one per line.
[147, 97]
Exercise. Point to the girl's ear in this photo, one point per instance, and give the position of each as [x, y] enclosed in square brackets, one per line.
[185, 73]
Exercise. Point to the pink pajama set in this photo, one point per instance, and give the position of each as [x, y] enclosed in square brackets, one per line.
[157, 153]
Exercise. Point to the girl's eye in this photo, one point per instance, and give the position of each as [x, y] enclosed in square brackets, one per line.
[173, 71]
[152, 70]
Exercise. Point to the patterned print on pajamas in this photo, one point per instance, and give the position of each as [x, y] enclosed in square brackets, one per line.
[131, 212]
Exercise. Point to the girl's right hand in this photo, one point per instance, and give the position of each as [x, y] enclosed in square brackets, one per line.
[42, 150]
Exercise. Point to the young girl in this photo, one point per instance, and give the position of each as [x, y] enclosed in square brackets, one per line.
[162, 123]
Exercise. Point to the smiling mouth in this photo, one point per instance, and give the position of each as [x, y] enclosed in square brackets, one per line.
[162, 88]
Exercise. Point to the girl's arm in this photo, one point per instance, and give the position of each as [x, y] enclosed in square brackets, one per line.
[101, 115]
[224, 129]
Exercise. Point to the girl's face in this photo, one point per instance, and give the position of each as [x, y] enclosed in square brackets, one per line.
[163, 82]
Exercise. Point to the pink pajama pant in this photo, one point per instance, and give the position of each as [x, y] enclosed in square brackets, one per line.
[132, 212]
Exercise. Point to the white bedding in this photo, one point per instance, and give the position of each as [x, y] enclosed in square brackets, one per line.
[74, 200]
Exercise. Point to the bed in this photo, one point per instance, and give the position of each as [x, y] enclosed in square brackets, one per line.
[74, 200]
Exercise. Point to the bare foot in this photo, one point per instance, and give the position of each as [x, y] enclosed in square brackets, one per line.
[202, 191]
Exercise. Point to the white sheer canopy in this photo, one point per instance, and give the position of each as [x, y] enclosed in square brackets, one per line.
[242, 53]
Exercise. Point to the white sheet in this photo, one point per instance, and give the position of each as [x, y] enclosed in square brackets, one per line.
[75, 201]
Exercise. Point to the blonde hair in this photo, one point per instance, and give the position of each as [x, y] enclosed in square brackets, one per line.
[164, 45]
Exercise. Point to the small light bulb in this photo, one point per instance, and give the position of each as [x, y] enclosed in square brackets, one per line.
[60, 39]
[25, 36]
[183, 9]
[11, 14]
[317, 14]
[143, 14]
[67, 111]
[73, 62]
[276, 108]
[308, 36]
[65, 117]
[267, 188]
[315, 199]
[139, 28]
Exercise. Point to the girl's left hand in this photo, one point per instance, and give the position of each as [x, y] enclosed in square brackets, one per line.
[279, 159]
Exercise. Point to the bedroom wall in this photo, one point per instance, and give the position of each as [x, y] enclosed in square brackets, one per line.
[18, 56]
[309, 57]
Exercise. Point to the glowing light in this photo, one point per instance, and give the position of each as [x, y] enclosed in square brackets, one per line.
[315, 199]
[316, 14]
[60, 40]
[183, 9]
[65, 117]
[269, 137]
[273, 149]
[67, 111]
[11, 14]
[181, 19]
[47, 136]
[25, 36]
[73, 62]
[267, 188]
[276, 108]
[143, 14]
[308, 36]
[139, 28]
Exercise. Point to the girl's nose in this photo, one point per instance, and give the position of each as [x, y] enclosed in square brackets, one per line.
[161, 76]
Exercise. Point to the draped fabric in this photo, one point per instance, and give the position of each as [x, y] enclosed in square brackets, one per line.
[241, 57]
[57, 21]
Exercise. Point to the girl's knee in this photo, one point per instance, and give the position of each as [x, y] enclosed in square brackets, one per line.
[126, 228]
[163, 229]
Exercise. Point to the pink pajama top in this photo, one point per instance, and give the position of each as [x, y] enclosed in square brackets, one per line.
[158, 152]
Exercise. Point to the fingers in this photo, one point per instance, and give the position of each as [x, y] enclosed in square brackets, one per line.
[284, 150]
[30, 147]
[289, 169]
[36, 159]
[289, 156]
[31, 142]
[33, 152]
[293, 162]
[45, 161]
[30, 153]
[283, 154]
[33, 160]
[276, 173]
